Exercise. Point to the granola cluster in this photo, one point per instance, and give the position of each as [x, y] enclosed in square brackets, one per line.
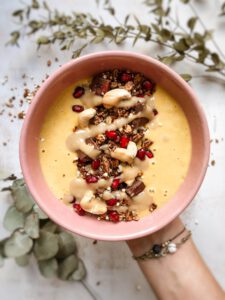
[105, 166]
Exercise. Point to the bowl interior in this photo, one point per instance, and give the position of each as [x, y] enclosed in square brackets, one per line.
[80, 69]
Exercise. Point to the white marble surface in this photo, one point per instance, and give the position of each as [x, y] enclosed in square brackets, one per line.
[110, 263]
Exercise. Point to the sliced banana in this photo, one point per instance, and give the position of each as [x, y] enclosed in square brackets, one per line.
[93, 205]
[85, 116]
[125, 155]
[113, 97]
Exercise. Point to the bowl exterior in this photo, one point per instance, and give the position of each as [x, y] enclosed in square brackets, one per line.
[84, 67]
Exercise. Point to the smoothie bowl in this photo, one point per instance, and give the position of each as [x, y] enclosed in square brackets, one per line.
[114, 146]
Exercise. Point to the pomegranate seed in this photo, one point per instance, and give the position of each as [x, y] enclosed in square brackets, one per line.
[78, 92]
[140, 95]
[126, 77]
[91, 179]
[77, 108]
[147, 85]
[124, 141]
[141, 154]
[111, 202]
[95, 164]
[112, 135]
[115, 183]
[155, 112]
[114, 216]
[79, 209]
[149, 154]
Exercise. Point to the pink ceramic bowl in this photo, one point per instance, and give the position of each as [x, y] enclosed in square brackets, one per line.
[84, 67]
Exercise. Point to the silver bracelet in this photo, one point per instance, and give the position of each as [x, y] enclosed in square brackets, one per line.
[168, 247]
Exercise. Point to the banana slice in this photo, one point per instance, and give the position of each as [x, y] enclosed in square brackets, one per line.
[85, 116]
[113, 97]
[93, 205]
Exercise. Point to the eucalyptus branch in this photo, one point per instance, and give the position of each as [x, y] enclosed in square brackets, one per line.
[32, 233]
[69, 30]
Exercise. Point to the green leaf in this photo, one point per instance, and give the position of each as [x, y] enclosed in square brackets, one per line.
[165, 35]
[41, 214]
[192, 22]
[68, 266]
[186, 77]
[43, 40]
[185, 1]
[80, 272]
[78, 52]
[181, 45]
[100, 35]
[46, 246]
[48, 268]
[13, 219]
[67, 245]
[215, 58]
[23, 260]
[1, 261]
[50, 227]
[23, 200]
[18, 244]
[31, 226]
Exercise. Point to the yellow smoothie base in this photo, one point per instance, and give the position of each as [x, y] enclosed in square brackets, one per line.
[169, 131]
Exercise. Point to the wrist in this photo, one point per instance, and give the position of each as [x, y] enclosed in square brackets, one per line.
[141, 245]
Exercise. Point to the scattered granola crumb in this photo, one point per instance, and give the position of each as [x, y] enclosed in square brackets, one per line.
[49, 63]
[21, 115]
[94, 242]
[213, 162]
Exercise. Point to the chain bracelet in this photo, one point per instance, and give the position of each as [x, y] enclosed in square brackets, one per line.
[168, 247]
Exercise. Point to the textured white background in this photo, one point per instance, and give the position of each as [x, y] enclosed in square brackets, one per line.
[110, 263]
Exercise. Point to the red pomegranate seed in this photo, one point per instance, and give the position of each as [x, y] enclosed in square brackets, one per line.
[91, 179]
[155, 112]
[124, 140]
[147, 85]
[77, 108]
[78, 92]
[125, 77]
[111, 202]
[112, 135]
[114, 216]
[95, 164]
[141, 154]
[149, 154]
[115, 183]
[79, 209]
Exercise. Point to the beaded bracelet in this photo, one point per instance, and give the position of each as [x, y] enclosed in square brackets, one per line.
[160, 250]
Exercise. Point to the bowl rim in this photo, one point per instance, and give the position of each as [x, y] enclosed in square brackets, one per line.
[162, 222]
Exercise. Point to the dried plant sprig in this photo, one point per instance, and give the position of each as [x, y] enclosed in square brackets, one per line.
[183, 43]
[32, 233]
[222, 10]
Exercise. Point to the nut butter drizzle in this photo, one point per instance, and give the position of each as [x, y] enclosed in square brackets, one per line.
[85, 192]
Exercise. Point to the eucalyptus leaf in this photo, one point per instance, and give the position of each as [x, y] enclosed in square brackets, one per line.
[1, 261]
[31, 226]
[186, 77]
[68, 266]
[192, 22]
[13, 219]
[23, 200]
[50, 227]
[23, 260]
[41, 214]
[48, 268]
[99, 37]
[80, 272]
[46, 246]
[67, 245]
[18, 244]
